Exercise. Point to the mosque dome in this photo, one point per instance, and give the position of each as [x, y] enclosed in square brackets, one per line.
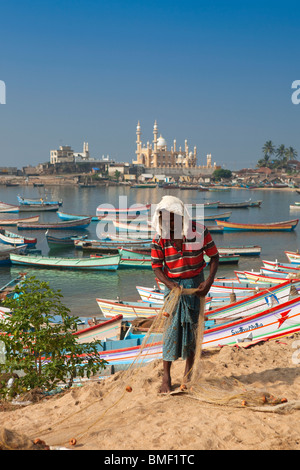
[161, 142]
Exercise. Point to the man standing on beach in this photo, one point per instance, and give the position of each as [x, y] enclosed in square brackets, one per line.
[177, 253]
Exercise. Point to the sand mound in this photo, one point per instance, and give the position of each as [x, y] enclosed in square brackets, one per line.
[103, 415]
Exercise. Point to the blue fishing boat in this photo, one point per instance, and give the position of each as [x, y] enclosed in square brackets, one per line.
[40, 200]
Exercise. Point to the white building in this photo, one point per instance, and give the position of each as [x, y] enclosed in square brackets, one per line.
[66, 154]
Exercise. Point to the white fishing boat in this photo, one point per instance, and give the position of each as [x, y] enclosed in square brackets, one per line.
[104, 330]
[293, 256]
[107, 263]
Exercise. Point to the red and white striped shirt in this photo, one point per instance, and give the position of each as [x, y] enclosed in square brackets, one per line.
[188, 262]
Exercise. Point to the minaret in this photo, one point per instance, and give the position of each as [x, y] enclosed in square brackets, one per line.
[155, 132]
[208, 160]
[138, 141]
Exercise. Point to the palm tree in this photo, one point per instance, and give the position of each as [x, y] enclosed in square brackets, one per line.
[291, 153]
[268, 148]
[281, 156]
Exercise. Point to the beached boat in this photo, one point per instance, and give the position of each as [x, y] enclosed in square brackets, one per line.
[66, 225]
[250, 250]
[286, 226]
[106, 263]
[290, 267]
[271, 323]
[4, 207]
[11, 238]
[293, 256]
[129, 310]
[15, 222]
[257, 277]
[56, 242]
[276, 272]
[104, 330]
[38, 207]
[258, 302]
[274, 322]
[40, 200]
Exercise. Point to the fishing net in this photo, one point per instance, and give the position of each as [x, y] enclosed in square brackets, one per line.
[226, 391]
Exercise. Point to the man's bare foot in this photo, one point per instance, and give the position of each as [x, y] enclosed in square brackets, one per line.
[166, 386]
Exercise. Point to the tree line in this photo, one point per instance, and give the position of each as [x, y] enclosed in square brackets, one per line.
[276, 157]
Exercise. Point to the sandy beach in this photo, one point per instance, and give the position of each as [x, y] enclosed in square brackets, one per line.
[105, 416]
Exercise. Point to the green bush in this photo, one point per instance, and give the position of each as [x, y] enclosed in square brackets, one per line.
[41, 351]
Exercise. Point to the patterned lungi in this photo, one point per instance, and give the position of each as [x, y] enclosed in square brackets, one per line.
[180, 337]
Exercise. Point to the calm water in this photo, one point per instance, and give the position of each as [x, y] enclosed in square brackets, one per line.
[80, 289]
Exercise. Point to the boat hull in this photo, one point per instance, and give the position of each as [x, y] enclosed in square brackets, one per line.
[107, 263]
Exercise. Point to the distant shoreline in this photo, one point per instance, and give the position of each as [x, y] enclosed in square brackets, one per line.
[74, 179]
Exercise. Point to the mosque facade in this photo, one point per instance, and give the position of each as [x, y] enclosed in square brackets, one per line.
[157, 154]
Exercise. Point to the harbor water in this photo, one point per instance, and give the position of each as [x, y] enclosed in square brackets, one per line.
[81, 288]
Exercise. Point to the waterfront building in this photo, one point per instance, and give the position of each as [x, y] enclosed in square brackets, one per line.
[157, 154]
[66, 154]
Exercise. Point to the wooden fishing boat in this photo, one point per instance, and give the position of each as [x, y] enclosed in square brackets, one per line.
[15, 222]
[250, 250]
[11, 238]
[239, 205]
[56, 242]
[144, 185]
[278, 321]
[8, 290]
[274, 322]
[293, 256]
[6, 251]
[207, 218]
[38, 207]
[219, 188]
[154, 295]
[131, 351]
[22, 200]
[107, 263]
[258, 302]
[290, 267]
[258, 277]
[233, 205]
[109, 244]
[4, 207]
[129, 310]
[109, 329]
[131, 260]
[281, 273]
[286, 226]
[205, 205]
[64, 216]
[105, 209]
[97, 218]
[66, 225]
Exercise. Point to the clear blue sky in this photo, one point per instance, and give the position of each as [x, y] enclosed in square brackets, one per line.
[217, 73]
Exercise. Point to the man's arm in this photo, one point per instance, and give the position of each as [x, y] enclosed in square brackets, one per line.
[204, 287]
[165, 279]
